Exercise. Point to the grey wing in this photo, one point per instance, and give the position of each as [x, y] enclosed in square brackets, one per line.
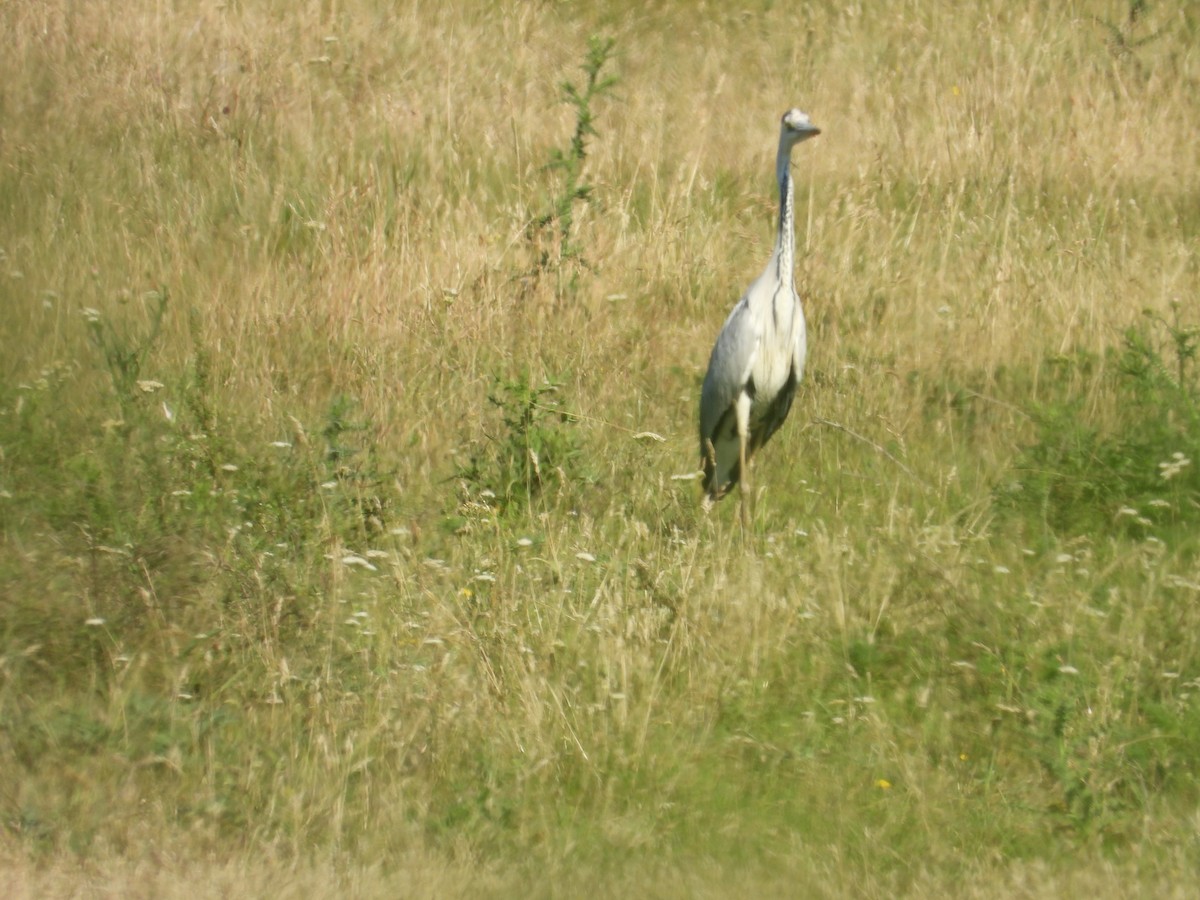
[728, 368]
[773, 416]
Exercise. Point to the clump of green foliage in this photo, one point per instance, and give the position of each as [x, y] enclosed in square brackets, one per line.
[536, 447]
[560, 217]
[125, 352]
[1123, 38]
[366, 487]
[1077, 477]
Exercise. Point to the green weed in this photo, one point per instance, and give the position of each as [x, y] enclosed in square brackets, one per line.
[1123, 39]
[535, 449]
[125, 352]
[573, 190]
[1134, 475]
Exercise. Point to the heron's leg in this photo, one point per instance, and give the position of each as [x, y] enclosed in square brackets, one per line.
[743, 481]
[743, 429]
[710, 456]
[709, 463]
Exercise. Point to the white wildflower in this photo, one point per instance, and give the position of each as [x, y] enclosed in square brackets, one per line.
[354, 560]
[1173, 466]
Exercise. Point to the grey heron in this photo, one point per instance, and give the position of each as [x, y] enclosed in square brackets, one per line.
[758, 358]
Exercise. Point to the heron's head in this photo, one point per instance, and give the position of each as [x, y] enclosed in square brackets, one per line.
[797, 127]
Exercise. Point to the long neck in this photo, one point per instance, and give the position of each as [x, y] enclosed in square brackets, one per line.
[785, 241]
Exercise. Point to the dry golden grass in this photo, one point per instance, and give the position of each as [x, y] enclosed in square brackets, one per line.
[311, 678]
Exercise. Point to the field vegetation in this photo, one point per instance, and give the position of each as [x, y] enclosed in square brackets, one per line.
[350, 541]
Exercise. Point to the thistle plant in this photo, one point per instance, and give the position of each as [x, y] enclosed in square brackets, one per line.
[560, 217]
[125, 351]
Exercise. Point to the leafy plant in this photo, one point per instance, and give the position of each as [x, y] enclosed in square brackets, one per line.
[125, 352]
[1121, 38]
[1160, 361]
[1078, 476]
[560, 217]
[536, 447]
[337, 424]
[356, 469]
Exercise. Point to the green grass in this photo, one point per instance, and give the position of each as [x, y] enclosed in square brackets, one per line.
[341, 550]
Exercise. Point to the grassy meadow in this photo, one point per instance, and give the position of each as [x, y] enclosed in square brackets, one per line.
[350, 541]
